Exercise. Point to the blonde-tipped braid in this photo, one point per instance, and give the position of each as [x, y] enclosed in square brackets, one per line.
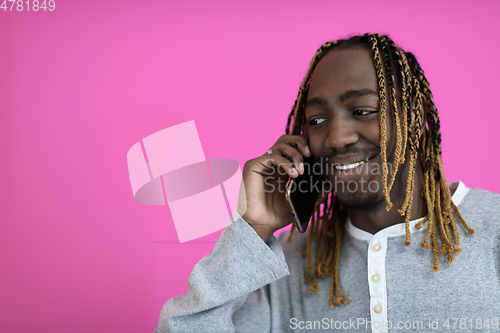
[399, 153]
[383, 125]
[328, 220]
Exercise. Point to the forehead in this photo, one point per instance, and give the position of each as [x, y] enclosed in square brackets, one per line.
[342, 70]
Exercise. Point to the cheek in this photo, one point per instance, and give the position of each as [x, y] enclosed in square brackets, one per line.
[316, 143]
[372, 132]
[369, 133]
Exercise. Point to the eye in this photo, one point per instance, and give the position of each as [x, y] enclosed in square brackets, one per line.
[316, 121]
[362, 112]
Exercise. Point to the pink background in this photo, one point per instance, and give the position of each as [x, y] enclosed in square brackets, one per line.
[81, 85]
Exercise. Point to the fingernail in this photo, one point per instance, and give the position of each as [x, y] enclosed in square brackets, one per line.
[301, 168]
[293, 171]
[307, 150]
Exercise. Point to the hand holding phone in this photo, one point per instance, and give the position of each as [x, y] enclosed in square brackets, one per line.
[264, 183]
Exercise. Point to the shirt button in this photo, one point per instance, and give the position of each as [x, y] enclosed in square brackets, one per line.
[377, 308]
[375, 278]
[376, 247]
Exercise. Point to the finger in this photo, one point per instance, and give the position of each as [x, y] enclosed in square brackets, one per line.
[271, 164]
[292, 154]
[297, 141]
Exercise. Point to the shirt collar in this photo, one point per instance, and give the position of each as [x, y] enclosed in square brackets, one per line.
[399, 229]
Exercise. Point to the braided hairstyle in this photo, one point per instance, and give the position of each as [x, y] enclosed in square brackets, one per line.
[402, 72]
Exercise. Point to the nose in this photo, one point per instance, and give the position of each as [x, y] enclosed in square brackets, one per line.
[341, 133]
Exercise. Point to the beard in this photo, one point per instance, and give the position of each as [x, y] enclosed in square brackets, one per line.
[358, 200]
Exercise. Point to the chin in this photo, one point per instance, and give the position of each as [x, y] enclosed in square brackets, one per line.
[358, 200]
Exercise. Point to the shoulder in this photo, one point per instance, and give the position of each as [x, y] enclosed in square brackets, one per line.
[480, 202]
[484, 194]
[481, 210]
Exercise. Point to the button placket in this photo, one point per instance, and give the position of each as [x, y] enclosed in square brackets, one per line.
[377, 284]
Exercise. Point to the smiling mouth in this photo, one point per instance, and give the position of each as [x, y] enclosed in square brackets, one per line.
[353, 165]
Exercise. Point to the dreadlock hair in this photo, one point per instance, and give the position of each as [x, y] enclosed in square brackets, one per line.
[403, 72]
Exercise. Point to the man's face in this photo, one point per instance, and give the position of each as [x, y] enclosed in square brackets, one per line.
[343, 126]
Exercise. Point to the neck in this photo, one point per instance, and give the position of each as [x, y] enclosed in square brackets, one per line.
[377, 217]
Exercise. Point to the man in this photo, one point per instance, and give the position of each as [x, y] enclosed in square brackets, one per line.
[366, 114]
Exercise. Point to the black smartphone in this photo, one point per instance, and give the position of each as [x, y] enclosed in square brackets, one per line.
[302, 193]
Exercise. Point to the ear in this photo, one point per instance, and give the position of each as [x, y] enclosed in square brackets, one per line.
[423, 104]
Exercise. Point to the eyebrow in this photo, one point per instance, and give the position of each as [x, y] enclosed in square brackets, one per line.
[320, 101]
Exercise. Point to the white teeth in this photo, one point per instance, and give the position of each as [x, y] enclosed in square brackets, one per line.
[348, 166]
